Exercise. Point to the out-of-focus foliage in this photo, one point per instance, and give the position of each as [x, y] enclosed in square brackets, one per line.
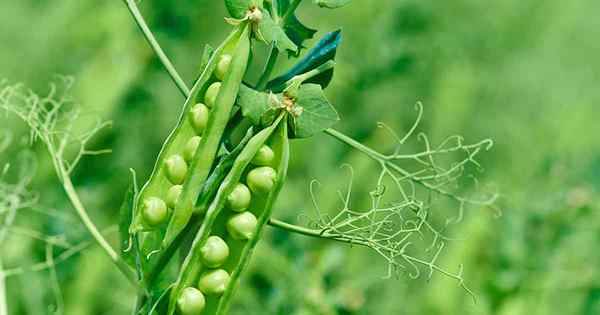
[524, 73]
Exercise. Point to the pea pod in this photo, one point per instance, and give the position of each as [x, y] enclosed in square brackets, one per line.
[261, 207]
[239, 48]
[192, 266]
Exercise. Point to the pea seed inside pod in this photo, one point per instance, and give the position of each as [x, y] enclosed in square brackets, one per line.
[154, 211]
[214, 252]
[176, 169]
[199, 117]
[240, 198]
[190, 148]
[222, 66]
[191, 301]
[264, 156]
[214, 282]
[210, 98]
[173, 195]
[242, 226]
[261, 179]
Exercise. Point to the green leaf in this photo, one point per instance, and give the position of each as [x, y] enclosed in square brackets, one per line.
[332, 4]
[272, 32]
[238, 8]
[317, 115]
[324, 51]
[253, 103]
[295, 30]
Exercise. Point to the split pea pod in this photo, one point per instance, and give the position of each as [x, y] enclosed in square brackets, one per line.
[214, 281]
[205, 155]
[175, 166]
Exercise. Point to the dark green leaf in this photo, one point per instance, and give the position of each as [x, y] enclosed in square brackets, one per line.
[272, 32]
[324, 51]
[296, 30]
[332, 4]
[317, 113]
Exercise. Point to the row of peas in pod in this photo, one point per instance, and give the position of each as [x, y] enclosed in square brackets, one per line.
[240, 226]
[155, 209]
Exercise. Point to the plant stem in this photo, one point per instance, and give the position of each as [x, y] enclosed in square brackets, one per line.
[3, 305]
[270, 65]
[91, 227]
[314, 232]
[355, 144]
[164, 59]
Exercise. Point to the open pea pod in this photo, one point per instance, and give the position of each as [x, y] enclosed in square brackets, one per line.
[206, 269]
[188, 154]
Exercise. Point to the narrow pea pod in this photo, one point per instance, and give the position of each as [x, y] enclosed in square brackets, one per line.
[239, 49]
[214, 224]
[261, 207]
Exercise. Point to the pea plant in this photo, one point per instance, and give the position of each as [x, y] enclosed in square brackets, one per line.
[217, 178]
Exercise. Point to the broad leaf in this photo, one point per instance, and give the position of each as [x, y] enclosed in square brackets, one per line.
[324, 51]
[272, 32]
[253, 103]
[295, 30]
[332, 4]
[317, 113]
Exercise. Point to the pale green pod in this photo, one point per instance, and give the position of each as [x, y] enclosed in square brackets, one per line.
[261, 179]
[191, 302]
[222, 66]
[176, 168]
[210, 97]
[264, 156]
[199, 117]
[242, 226]
[190, 148]
[154, 211]
[239, 199]
[214, 252]
[214, 282]
[173, 195]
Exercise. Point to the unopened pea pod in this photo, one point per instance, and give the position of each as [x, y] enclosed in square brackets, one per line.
[241, 250]
[192, 266]
[169, 168]
[202, 163]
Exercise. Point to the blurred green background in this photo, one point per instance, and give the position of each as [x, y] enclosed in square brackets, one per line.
[524, 73]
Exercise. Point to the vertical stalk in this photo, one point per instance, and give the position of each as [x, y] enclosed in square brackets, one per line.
[269, 66]
[3, 305]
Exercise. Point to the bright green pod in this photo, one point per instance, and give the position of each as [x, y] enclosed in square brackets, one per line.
[210, 98]
[261, 179]
[199, 117]
[214, 282]
[154, 211]
[176, 168]
[190, 148]
[264, 156]
[214, 252]
[191, 302]
[173, 195]
[242, 226]
[222, 66]
[239, 199]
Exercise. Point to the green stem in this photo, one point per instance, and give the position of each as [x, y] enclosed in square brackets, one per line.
[3, 305]
[355, 144]
[271, 61]
[314, 232]
[164, 59]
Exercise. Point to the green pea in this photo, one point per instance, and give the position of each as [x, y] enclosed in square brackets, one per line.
[214, 252]
[191, 302]
[222, 66]
[210, 98]
[242, 226]
[176, 169]
[240, 198]
[199, 117]
[264, 156]
[173, 195]
[214, 282]
[154, 211]
[261, 179]
[190, 148]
